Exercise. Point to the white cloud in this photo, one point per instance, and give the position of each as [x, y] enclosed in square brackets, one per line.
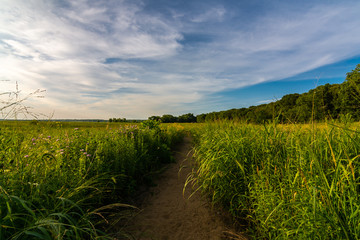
[276, 46]
[266, 101]
[63, 50]
[63, 46]
[86, 31]
[212, 14]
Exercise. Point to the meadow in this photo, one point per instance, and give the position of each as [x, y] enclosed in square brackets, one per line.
[76, 180]
[295, 181]
[65, 180]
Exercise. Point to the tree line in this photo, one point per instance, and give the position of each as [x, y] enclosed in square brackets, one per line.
[329, 101]
[167, 118]
[117, 120]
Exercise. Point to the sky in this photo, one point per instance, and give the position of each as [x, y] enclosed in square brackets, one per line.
[99, 59]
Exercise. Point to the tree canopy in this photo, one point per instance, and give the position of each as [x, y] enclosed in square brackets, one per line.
[329, 101]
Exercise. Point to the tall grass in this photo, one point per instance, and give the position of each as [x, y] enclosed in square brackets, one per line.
[60, 182]
[285, 182]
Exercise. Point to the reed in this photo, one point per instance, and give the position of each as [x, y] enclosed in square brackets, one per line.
[284, 181]
[58, 181]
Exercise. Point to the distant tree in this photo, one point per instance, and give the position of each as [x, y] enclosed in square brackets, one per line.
[304, 107]
[288, 101]
[117, 120]
[231, 114]
[155, 118]
[201, 118]
[167, 118]
[211, 117]
[327, 101]
[350, 94]
[336, 102]
[189, 117]
[240, 114]
[261, 114]
[226, 115]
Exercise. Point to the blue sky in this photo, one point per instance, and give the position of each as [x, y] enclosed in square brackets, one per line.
[135, 59]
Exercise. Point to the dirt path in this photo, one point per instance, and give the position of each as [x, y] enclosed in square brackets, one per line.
[168, 214]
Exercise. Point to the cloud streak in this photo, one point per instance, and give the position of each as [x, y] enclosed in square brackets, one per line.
[101, 59]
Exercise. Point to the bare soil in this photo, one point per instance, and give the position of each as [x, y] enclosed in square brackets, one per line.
[167, 212]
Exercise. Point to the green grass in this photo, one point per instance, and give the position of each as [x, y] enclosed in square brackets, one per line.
[65, 180]
[284, 182]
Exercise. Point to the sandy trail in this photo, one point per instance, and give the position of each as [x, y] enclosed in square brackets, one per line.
[167, 213]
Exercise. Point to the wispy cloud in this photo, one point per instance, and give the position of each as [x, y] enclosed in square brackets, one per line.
[212, 14]
[105, 58]
[278, 46]
[266, 101]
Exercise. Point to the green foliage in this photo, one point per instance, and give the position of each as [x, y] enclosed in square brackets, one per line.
[150, 124]
[285, 182]
[117, 120]
[155, 118]
[58, 180]
[323, 102]
[350, 94]
[187, 118]
[167, 118]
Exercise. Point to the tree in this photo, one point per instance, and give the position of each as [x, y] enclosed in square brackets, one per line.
[350, 94]
[327, 101]
[304, 107]
[201, 118]
[167, 118]
[189, 117]
[211, 117]
[155, 118]
[117, 120]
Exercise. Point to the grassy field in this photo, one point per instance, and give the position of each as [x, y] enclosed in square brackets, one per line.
[64, 180]
[283, 181]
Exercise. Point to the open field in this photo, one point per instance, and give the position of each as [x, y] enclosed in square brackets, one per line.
[71, 180]
[63, 180]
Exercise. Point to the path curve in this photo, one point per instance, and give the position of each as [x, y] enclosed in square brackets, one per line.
[168, 214]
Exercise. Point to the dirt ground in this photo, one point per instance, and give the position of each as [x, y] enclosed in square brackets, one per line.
[169, 214]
